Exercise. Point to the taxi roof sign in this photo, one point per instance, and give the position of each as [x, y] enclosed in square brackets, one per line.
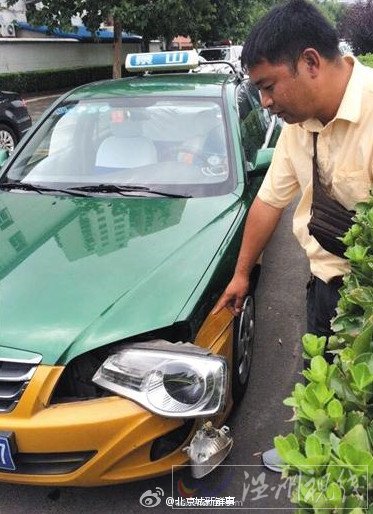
[179, 60]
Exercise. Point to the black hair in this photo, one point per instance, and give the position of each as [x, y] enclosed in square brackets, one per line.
[285, 31]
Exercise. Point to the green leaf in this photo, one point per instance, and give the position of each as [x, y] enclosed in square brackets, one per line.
[347, 355]
[296, 397]
[362, 295]
[335, 342]
[334, 494]
[290, 402]
[353, 418]
[367, 358]
[318, 371]
[361, 462]
[285, 444]
[358, 437]
[354, 502]
[313, 446]
[313, 345]
[340, 384]
[299, 461]
[335, 442]
[307, 410]
[363, 341]
[321, 393]
[361, 375]
[335, 409]
[356, 253]
[322, 421]
[299, 391]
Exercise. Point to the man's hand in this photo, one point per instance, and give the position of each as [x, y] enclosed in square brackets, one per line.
[260, 224]
[234, 295]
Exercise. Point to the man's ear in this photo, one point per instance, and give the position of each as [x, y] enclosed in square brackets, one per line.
[311, 60]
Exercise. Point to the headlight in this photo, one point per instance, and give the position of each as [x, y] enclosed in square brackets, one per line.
[172, 384]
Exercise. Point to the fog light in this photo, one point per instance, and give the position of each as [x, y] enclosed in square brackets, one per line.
[208, 448]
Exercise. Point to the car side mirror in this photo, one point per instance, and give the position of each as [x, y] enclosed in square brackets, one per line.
[4, 154]
[262, 162]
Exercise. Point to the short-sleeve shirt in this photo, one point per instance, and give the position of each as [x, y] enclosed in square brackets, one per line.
[345, 163]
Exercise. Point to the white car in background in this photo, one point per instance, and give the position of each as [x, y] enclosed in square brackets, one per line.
[231, 54]
[345, 47]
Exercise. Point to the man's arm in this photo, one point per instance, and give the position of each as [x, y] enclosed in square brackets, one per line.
[261, 222]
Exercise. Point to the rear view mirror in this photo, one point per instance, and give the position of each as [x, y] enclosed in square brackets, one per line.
[4, 154]
[262, 162]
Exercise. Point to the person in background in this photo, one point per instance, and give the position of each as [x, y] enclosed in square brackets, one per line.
[325, 147]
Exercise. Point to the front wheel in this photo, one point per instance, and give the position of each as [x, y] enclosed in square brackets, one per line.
[8, 138]
[243, 343]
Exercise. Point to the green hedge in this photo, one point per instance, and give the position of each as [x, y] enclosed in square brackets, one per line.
[366, 59]
[330, 451]
[52, 80]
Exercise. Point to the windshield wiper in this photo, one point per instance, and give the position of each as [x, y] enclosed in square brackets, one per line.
[38, 189]
[114, 188]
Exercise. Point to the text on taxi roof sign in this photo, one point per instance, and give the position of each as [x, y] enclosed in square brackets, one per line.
[183, 60]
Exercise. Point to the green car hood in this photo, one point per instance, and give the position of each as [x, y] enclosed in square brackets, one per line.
[79, 273]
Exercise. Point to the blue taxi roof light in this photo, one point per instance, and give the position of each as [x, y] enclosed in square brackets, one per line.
[179, 60]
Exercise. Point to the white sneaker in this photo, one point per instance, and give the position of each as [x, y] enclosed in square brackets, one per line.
[272, 460]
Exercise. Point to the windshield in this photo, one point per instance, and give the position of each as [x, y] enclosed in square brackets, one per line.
[216, 54]
[177, 145]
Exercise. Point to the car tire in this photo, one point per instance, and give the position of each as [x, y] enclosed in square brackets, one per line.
[8, 138]
[243, 344]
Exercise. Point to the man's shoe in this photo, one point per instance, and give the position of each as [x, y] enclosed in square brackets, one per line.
[272, 460]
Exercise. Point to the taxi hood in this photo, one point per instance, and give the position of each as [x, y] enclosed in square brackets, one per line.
[79, 273]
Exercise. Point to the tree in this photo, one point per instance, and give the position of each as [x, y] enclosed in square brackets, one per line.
[167, 18]
[332, 10]
[57, 14]
[233, 19]
[152, 19]
[356, 27]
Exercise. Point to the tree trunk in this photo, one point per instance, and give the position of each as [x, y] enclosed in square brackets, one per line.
[145, 44]
[117, 61]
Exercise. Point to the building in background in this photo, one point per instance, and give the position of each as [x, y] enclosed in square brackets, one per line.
[9, 15]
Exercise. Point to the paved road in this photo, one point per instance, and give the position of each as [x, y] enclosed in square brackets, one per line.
[261, 415]
[38, 103]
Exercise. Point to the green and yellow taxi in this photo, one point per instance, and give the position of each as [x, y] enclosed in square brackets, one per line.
[121, 215]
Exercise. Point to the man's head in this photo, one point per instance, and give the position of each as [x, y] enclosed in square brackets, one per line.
[289, 54]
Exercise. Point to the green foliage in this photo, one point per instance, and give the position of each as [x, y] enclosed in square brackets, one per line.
[166, 19]
[52, 80]
[366, 59]
[233, 19]
[330, 448]
[152, 19]
[356, 26]
[332, 10]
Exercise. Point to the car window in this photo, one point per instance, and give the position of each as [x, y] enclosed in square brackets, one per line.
[176, 143]
[236, 52]
[216, 54]
[252, 122]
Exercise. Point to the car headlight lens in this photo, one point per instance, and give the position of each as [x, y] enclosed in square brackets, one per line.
[168, 383]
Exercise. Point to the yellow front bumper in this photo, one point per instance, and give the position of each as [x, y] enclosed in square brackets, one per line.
[119, 431]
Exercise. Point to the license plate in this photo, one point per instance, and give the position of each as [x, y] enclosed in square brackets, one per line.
[7, 450]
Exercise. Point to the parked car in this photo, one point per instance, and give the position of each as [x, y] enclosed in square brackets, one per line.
[14, 119]
[231, 54]
[121, 214]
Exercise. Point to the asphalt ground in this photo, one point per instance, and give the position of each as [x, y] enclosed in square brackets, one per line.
[38, 103]
[277, 361]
